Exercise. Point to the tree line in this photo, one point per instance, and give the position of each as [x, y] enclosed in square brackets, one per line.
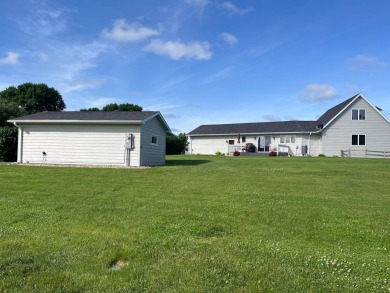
[29, 98]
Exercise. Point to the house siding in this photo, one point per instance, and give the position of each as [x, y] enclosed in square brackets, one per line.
[209, 145]
[78, 144]
[338, 135]
[151, 154]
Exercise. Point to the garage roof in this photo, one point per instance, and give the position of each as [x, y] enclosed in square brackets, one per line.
[101, 117]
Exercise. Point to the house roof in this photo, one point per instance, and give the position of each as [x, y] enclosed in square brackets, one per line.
[333, 112]
[260, 127]
[276, 127]
[109, 117]
[88, 115]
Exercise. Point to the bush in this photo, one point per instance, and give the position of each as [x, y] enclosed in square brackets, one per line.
[8, 143]
[176, 145]
[321, 156]
[272, 154]
[236, 153]
[218, 153]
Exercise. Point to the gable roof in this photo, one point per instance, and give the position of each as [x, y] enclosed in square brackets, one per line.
[333, 112]
[100, 117]
[281, 126]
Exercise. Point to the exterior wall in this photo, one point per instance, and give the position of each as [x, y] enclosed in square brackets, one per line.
[209, 145]
[78, 144]
[153, 154]
[313, 142]
[338, 135]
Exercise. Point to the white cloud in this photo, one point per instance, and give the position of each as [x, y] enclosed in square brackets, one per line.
[160, 107]
[44, 20]
[221, 74]
[43, 56]
[85, 83]
[228, 38]
[231, 9]
[318, 92]
[124, 32]
[12, 58]
[177, 50]
[198, 3]
[171, 116]
[75, 61]
[364, 62]
[101, 102]
[271, 117]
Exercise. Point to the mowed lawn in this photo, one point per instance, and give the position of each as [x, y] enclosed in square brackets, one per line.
[198, 224]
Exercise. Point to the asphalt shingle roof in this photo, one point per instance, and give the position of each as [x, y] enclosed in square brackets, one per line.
[100, 115]
[332, 112]
[272, 127]
[260, 127]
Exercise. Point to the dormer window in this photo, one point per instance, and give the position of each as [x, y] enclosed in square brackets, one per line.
[358, 114]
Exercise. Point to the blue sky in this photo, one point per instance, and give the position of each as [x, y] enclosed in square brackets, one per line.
[201, 61]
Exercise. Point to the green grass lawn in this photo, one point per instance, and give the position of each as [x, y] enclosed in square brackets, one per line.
[198, 224]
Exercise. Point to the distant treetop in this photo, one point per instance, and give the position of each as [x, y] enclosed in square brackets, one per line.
[116, 107]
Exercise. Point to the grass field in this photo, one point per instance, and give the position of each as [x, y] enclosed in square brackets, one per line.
[198, 224]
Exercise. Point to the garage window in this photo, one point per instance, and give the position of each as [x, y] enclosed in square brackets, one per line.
[154, 140]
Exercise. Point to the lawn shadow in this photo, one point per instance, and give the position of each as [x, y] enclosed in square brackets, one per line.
[186, 162]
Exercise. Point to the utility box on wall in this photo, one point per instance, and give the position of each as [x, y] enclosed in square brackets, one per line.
[129, 143]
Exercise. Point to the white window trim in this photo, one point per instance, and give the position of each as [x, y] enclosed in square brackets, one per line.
[152, 143]
[358, 116]
[284, 138]
[358, 140]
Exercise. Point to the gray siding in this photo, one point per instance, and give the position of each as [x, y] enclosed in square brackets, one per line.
[78, 144]
[338, 135]
[152, 154]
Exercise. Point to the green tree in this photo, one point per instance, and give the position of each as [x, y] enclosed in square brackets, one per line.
[116, 107]
[27, 98]
[93, 109]
[176, 145]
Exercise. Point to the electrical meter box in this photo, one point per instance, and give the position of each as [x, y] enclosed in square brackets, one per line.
[129, 142]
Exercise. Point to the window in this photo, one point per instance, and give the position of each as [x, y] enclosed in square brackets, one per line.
[244, 139]
[355, 114]
[358, 114]
[154, 140]
[362, 114]
[231, 141]
[358, 139]
[287, 139]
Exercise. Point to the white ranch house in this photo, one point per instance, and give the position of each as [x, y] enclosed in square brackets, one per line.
[92, 138]
[354, 125]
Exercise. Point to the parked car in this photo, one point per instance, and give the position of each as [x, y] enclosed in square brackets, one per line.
[249, 147]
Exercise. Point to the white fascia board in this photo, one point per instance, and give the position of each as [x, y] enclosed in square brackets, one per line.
[338, 114]
[76, 121]
[358, 96]
[160, 116]
[376, 109]
[258, 133]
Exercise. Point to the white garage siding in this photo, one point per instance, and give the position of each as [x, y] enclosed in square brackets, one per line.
[78, 144]
[153, 154]
[338, 135]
